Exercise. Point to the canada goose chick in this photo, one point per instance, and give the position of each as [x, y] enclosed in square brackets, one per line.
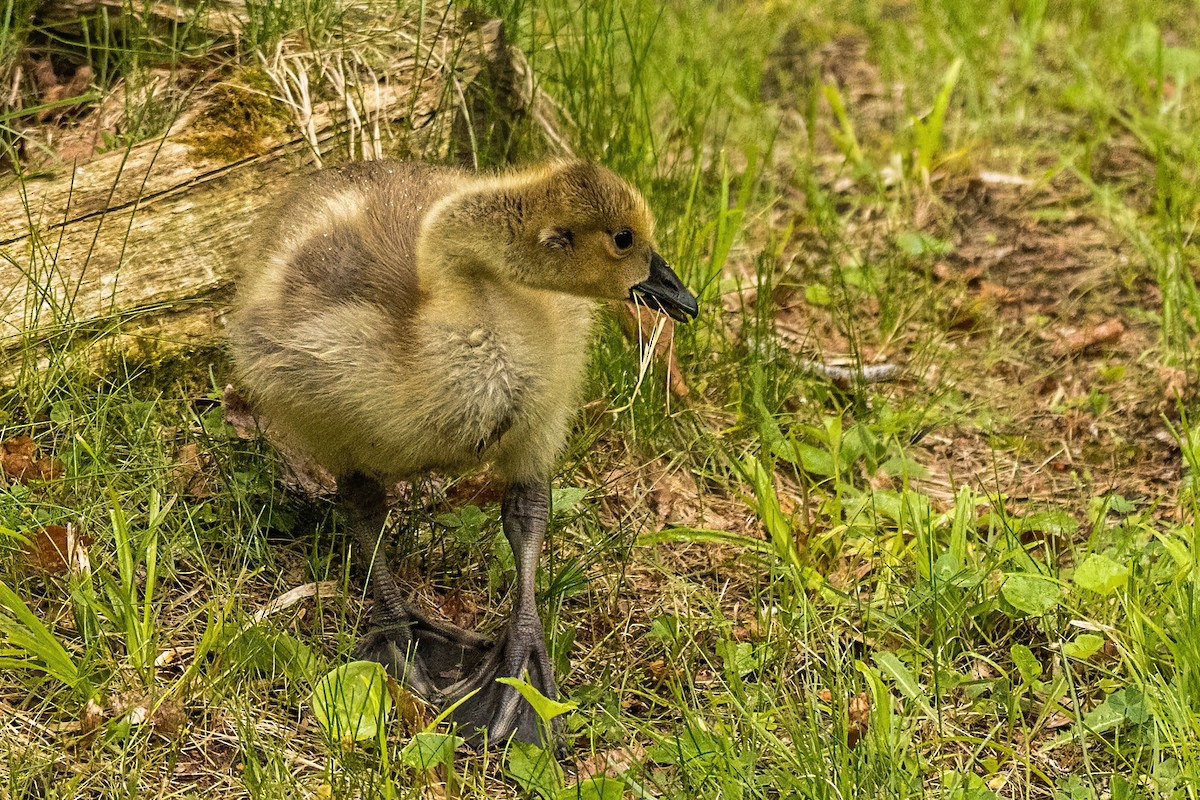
[401, 317]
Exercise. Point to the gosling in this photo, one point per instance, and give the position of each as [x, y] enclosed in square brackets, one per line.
[402, 318]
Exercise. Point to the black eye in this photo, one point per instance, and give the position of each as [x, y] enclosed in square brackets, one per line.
[623, 239]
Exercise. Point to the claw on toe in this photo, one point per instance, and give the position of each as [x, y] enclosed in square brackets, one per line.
[445, 665]
[496, 711]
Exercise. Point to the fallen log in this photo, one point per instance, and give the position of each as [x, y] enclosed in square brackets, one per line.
[145, 241]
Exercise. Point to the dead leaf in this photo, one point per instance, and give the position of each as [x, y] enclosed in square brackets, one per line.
[17, 457]
[52, 89]
[750, 632]
[301, 473]
[168, 718]
[80, 142]
[191, 472]
[42, 72]
[999, 292]
[1003, 179]
[858, 715]
[48, 468]
[413, 711]
[479, 489]
[165, 715]
[944, 272]
[1174, 380]
[54, 550]
[1076, 341]
[610, 763]
[460, 608]
[93, 718]
[239, 414]
[981, 670]
[323, 590]
[133, 706]
[166, 658]
[1058, 719]
[848, 377]
[19, 461]
[64, 91]
[674, 498]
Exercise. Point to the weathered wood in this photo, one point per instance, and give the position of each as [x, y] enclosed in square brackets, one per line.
[213, 16]
[157, 227]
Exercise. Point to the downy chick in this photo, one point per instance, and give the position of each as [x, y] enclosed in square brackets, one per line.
[401, 318]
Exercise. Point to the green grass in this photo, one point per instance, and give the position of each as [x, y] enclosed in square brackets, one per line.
[979, 581]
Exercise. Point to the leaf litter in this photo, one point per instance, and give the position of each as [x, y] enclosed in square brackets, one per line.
[21, 461]
[57, 550]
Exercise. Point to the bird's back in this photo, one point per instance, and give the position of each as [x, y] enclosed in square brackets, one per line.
[345, 234]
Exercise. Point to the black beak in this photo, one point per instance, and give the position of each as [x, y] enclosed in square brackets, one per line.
[663, 290]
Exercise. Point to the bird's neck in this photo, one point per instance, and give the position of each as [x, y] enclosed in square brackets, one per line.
[468, 234]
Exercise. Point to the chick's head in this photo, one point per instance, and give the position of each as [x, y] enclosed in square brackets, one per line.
[588, 233]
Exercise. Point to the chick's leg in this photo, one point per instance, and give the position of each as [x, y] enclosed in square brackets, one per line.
[420, 653]
[521, 650]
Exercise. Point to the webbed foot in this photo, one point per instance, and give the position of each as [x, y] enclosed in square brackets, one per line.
[444, 663]
[424, 655]
[496, 711]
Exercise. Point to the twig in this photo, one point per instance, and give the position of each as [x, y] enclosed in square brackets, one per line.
[847, 377]
[324, 589]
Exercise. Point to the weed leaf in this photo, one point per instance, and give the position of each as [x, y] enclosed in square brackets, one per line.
[352, 703]
[427, 750]
[546, 708]
[1083, 646]
[1100, 574]
[535, 770]
[564, 499]
[891, 665]
[1026, 663]
[27, 633]
[1031, 594]
[600, 788]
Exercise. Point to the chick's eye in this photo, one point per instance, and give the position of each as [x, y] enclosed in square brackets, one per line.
[623, 239]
